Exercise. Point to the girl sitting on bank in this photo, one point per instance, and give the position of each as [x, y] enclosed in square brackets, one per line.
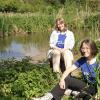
[61, 44]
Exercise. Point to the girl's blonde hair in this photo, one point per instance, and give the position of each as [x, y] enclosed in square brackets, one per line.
[60, 20]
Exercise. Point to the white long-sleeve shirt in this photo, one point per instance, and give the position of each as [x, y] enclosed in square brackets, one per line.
[69, 41]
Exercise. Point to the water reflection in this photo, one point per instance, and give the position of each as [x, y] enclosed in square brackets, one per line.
[19, 47]
[17, 51]
[32, 45]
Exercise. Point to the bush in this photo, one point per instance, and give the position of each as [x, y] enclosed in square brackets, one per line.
[21, 78]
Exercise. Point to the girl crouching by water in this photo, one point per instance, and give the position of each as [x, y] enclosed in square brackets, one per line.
[87, 85]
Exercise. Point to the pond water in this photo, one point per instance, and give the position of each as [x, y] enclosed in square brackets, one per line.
[21, 46]
[35, 45]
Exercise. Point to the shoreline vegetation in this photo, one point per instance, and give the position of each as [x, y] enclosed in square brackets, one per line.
[20, 80]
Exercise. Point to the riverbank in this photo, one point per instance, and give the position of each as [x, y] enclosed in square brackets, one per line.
[41, 57]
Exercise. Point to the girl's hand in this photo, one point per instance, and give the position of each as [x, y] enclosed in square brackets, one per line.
[62, 84]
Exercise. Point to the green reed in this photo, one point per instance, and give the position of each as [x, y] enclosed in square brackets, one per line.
[28, 23]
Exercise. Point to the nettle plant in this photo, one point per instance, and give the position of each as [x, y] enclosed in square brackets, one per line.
[98, 76]
[25, 79]
[98, 82]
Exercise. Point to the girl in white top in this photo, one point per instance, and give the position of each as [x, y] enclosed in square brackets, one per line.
[61, 44]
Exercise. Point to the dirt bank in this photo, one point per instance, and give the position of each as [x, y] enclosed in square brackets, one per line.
[39, 58]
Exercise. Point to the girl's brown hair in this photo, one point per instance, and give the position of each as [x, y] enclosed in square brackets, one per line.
[92, 45]
[61, 20]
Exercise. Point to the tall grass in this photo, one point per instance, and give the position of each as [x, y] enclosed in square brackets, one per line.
[42, 23]
[28, 23]
[80, 15]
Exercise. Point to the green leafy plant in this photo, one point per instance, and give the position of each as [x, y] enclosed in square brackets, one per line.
[24, 79]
